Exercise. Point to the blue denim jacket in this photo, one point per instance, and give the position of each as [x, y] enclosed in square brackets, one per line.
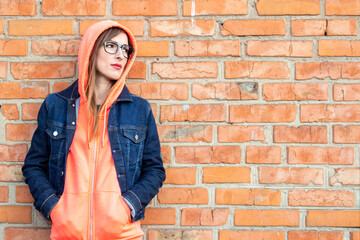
[137, 160]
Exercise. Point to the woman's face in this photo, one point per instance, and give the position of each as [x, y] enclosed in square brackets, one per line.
[111, 66]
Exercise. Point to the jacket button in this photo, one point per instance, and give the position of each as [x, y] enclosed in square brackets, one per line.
[62, 173]
[136, 137]
[73, 105]
[73, 123]
[55, 133]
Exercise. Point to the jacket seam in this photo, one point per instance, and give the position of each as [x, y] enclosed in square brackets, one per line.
[46, 200]
[136, 197]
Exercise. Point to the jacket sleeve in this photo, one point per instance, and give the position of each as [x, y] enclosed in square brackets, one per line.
[152, 172]
[36, 167]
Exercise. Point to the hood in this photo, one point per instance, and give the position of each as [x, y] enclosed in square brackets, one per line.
[86, 47]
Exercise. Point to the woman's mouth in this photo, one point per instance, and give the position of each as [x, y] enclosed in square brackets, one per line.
[117, 66]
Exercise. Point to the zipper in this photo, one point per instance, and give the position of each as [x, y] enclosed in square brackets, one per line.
[92, 191]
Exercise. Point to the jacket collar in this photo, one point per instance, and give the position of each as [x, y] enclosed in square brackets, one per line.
[72, 93]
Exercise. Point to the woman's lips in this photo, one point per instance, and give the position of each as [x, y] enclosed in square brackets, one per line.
[117, 66]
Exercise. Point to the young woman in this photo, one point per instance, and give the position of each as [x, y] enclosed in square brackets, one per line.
[94, 162]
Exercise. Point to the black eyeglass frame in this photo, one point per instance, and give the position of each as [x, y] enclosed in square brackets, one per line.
[130, 52]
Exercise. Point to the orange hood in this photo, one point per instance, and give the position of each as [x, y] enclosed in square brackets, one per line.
[86, 47]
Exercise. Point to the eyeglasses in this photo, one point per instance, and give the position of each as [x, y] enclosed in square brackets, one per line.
[112, 47]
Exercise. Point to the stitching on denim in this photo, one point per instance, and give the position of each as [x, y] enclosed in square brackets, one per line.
[136, 197]
[46, 201]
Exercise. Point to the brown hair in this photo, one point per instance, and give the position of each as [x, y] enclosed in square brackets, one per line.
[90, 87]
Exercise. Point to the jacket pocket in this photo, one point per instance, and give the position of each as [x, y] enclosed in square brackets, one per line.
[134, 144]
[57, 138]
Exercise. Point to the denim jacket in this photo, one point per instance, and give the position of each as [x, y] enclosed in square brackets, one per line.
[137, 160]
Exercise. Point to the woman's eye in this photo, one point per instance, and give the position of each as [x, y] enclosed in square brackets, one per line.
[110, 45]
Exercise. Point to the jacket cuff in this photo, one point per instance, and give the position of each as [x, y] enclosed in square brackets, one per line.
[48, 204]
[134, 201]
[131, 207]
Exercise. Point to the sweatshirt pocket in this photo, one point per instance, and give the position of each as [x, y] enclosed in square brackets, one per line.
[69, 217]
[112, 215]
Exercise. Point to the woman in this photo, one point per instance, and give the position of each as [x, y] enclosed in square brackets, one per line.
[94, 162]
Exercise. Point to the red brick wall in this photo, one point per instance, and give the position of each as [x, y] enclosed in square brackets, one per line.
[257, 105]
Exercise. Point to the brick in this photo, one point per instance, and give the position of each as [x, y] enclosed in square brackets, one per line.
[183, 195]
[329, 113]
[346, 134]
[40, 27]
[262, 113]
[73, 8]
[135, 26]
[339, 48]
[145, 8]
[319, 155]
[4, 193]
[256, 197]
[345, 176]
[180, 176]
[41, 70]
[240, 134]
[23, 195]
[185, 133]
[15, 214]
[341, 27]
[138, 70]
[254, 27]
[12, 233]
[323, 70]
[342, 7]
[11, 173]
[193, 113]
[309, 27]
[12, 90]
[346, 92]
[20, 132]
[13, 153]
[160, 91]
[274, 175]
[204, 216]
[267, 155]
[261, 70]
[1, 26]
[314, 235]
[279, 48]
[10, 111]
[266, 217]
[332, 218]
[214, 7]
[185, 70]
[178, 234]
[288, 7]
[166, 155]
[3, 69]
[54, 47]
[13, 47]
[21, 7]
[207, 154]
[173, 28]
[354, 235]
[59, 86]
[30, 111]
[153, 48]
[321, 198]
[225, 91]
[255, 235]
[303, 134]
[208, 48]
[295, 91]
[159, 216]
[226, 175]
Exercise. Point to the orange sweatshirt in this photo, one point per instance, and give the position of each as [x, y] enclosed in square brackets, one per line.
[91, 206]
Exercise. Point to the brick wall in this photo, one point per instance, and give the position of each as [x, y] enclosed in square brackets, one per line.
[257, 105]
